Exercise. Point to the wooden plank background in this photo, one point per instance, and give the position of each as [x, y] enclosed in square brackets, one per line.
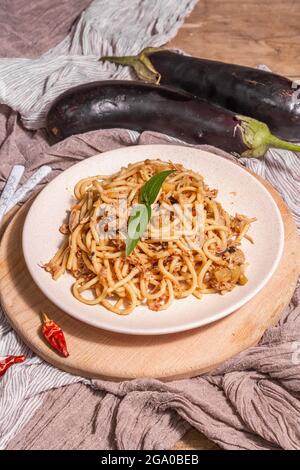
[247, 32]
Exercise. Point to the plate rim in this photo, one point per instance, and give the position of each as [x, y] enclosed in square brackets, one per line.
[162, 330]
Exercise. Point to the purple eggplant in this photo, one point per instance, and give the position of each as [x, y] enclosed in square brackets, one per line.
[262, 95]
[140, 106]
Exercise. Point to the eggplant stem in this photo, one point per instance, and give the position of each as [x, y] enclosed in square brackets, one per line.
[141, 64]
[257, 137]
[283, 144]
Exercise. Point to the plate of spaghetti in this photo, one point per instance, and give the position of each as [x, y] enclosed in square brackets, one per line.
[152, 239]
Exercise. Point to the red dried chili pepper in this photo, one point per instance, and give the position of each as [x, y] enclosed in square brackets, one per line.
[9, 361]
[54, 335]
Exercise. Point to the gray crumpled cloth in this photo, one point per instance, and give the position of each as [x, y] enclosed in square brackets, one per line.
[106, 27]
[251, 402]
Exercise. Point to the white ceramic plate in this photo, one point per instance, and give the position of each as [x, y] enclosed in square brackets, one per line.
[238, 192]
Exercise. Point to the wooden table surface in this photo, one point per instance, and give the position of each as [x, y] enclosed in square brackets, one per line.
[247, 32]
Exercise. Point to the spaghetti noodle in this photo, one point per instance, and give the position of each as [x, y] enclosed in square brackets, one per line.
[171, 263]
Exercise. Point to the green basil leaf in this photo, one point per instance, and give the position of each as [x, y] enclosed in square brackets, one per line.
[151, 188]
[141, 213]
[137, 225]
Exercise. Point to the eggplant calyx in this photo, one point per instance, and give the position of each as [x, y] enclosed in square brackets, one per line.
[141, 64]
[257, 137]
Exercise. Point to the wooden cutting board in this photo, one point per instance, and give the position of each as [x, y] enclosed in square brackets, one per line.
[100, 354]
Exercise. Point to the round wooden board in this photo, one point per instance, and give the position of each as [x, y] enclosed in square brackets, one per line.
[96, 353]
